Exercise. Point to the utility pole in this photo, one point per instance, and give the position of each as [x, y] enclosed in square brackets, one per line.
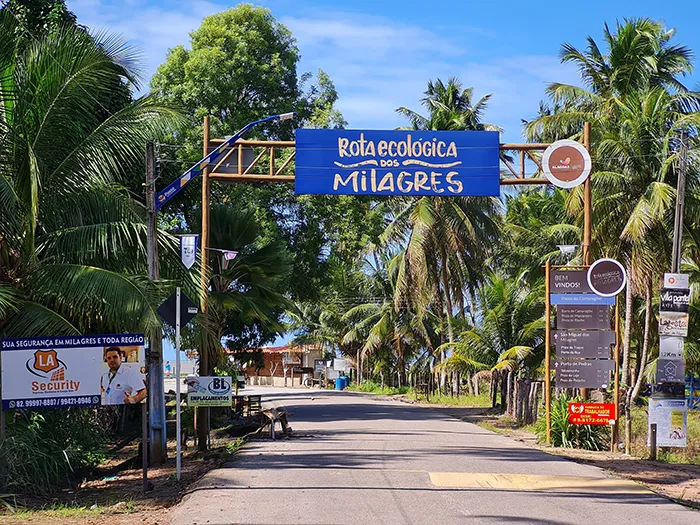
[203, 412]
[680, 202]
[156, 394]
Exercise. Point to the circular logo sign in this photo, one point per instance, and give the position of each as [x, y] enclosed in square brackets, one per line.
[566, 163]
[607, 277]
[219, 386]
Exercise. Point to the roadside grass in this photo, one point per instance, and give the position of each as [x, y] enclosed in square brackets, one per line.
[64, 510]
[480, 401]
[689, 454]
[370, 387]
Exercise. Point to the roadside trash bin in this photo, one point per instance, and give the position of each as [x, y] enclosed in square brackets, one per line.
[346, 381]
[339, 384]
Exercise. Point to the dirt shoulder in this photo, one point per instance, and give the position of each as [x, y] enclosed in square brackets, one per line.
[116, 496]
[678, 482]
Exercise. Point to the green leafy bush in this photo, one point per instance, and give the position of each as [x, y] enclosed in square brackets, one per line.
[43, 450]
[565, 434]
[375, 388]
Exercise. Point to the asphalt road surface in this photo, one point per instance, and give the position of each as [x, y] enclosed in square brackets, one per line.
[361, 460]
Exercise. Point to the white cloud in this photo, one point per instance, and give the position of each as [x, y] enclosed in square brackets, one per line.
[152, 28]
[376, 63]
[378, 66]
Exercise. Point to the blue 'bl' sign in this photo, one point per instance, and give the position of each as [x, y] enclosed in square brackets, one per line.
[373, 162]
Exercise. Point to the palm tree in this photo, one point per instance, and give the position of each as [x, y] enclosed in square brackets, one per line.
[245, 291]
[72, 250]
[636, 101]
[510, 332]
[446, 240]
[639, 55]
[450, 107]
[380, 323]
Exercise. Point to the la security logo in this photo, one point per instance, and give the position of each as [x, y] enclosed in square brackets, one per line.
[51, 371]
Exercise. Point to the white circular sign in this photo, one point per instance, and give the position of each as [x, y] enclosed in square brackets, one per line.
[566, 163]
[607, 277]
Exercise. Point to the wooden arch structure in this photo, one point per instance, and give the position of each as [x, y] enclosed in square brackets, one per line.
[272, 161]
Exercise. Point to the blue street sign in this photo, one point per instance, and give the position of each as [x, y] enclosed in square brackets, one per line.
[214, 157]
[377, 162]
[579, 299]
[183, 180]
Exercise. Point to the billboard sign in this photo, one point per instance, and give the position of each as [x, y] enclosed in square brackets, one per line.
[55, 372]
[591, 413]
[670, 417]
[566, 163]
[209, 391]
[395, 162]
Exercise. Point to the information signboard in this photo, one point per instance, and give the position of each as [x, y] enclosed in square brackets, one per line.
[671, 347]
[583, 373]
[583, 344]
[674, 300]
[397, 162]
[679, 281]
[569, 281]
[55, 372]
[670, 370]
[670, 418]
[673, 323]
[566, 163]
[209, 391]
[607, 277]
[581, 299]
[586, 317]
[591, 413]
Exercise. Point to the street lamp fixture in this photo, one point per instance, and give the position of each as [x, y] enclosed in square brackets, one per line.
[176, 186]
[567, 248]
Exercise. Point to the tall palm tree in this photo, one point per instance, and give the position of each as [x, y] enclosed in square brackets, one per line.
[72, 240]
[450, 107]
[446, 240]
[247, 288]
[639, 54]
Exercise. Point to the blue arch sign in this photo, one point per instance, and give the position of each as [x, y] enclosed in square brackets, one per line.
[374, 162]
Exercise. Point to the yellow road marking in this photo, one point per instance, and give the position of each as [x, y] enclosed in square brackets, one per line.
[531, 482]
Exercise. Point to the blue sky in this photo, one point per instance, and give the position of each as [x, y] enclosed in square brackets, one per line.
[381, 53]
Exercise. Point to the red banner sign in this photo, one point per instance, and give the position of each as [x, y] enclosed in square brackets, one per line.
[591, 413]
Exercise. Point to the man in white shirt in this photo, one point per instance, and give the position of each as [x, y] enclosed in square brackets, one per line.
[121, 384]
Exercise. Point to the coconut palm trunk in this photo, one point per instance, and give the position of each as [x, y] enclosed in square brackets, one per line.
[634, 392]
[626, 340]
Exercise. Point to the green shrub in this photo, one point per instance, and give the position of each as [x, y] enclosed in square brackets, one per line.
[43, 450]
[375, 388]
[565, 434]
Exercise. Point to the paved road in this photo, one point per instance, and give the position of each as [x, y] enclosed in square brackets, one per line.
[359, 460]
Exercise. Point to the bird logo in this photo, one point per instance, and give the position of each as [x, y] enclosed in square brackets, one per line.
[565, 162]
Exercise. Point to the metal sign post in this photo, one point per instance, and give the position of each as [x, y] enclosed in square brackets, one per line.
[178, 431]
